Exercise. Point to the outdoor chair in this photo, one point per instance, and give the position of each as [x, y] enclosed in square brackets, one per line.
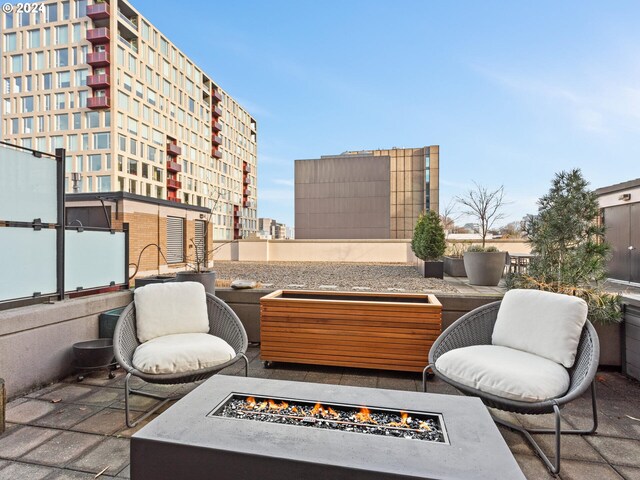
[175, 333]
[531, 353]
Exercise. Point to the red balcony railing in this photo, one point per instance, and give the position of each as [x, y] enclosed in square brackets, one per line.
[174, 166]
[173, 149]
[98, 102]
[216, 126]
[98, 35]
[173, 184]
[174, 199]
[247, 191]
[246, 167]
[216, 140]
[99, 11]
[216, 153]
[246, 180]
[217, 96]
[98, 81]
[98, 59]
[217, 111]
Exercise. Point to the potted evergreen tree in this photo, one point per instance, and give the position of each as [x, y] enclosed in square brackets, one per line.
[428, 244]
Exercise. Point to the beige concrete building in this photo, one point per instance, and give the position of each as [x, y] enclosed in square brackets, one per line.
[372, 194]
[133, 112]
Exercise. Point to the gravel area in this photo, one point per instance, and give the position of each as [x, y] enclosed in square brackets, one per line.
[381, 277]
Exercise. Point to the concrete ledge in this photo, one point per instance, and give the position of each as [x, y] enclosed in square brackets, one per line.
[35, 341]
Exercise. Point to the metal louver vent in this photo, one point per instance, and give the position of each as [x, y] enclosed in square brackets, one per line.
[175, 240]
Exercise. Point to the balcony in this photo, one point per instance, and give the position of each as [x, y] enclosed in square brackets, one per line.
[248, 191]
[129, 22]
[173, 149]
[246, 180]
[216, 112]
[98, 35]
[98, 81]
[174, 166]
[216, 95]
[247, 168]
[98, 59]
[215, 153]
[237, 225]
[173, 184]
[216, 140]
[216, 126]
[174, 199]
[96, 103]
[99, 11]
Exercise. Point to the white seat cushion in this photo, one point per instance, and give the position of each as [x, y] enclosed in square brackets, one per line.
[170, 308]
[182, 352]
[505, 372]
[543, 323]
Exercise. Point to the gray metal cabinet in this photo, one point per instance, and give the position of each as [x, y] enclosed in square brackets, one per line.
[632, 339]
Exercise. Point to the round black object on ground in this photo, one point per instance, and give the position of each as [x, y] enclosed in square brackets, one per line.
[94, 353]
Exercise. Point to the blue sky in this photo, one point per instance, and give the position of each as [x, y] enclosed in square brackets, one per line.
[511, 91]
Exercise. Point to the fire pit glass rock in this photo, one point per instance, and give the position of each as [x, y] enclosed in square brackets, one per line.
[347, 418]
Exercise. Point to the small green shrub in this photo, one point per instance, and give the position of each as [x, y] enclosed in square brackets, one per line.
[475, 248]
[491, 249]
[428, 241]
[456, 250]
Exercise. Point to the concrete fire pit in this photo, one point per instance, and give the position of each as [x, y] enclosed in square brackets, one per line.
[189, 441]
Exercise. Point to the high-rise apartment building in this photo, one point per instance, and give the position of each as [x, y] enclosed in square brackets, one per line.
[133, 112]
[365, 194]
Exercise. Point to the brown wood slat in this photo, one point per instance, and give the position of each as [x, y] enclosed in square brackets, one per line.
[376, 335]
[337, 322]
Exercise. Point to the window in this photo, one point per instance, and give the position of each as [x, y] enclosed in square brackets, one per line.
[122, 143]
[82, 98]
[103, 183]
[123, 101]
[16, 63]
[60, 104]
[101, 140]
[8, 20]
[14, 126]
[126, 81]
[175, 240]
[27, 104]
[46, 81]
[93, 119]
[65, 11]
[39, 60]
[72, 142]
[51, 12]
[27, 124]
[133, 146]
[10, 42]
[81, 8]
[64, 79]
[151, 153]
[62, 57]
[62, 34]
[77, 33]
[145, 170]
[62, 121]
[132, 166]
[95, 162]
[81, 77]
[132, 125]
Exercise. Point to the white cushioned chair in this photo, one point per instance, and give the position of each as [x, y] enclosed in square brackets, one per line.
[174, 333]
[531, 353]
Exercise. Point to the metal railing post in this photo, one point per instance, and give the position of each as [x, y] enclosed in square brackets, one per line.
[60, 160]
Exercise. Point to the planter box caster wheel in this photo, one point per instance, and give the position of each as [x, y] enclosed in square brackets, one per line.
[79, 378]
[267, 364]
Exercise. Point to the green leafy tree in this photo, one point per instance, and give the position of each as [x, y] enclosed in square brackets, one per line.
[428, 241]
[571, 254]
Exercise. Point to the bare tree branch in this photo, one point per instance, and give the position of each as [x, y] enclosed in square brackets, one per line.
[484, 205]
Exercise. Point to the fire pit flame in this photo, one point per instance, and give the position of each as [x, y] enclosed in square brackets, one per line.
[342, 417]
[364, 416]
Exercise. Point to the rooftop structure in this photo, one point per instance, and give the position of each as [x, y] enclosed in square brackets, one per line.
[374, 194]
[133, 112]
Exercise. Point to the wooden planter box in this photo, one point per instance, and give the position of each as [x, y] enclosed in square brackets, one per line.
[389, 331]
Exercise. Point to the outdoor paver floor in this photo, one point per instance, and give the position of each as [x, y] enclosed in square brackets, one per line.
[73, 430]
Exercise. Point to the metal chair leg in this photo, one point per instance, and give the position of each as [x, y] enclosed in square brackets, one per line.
[554, 467]
[425, 374]
[127, 409]
[246, 364]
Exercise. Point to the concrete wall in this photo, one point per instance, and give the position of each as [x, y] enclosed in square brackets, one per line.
[379, 251]
[36, 341]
